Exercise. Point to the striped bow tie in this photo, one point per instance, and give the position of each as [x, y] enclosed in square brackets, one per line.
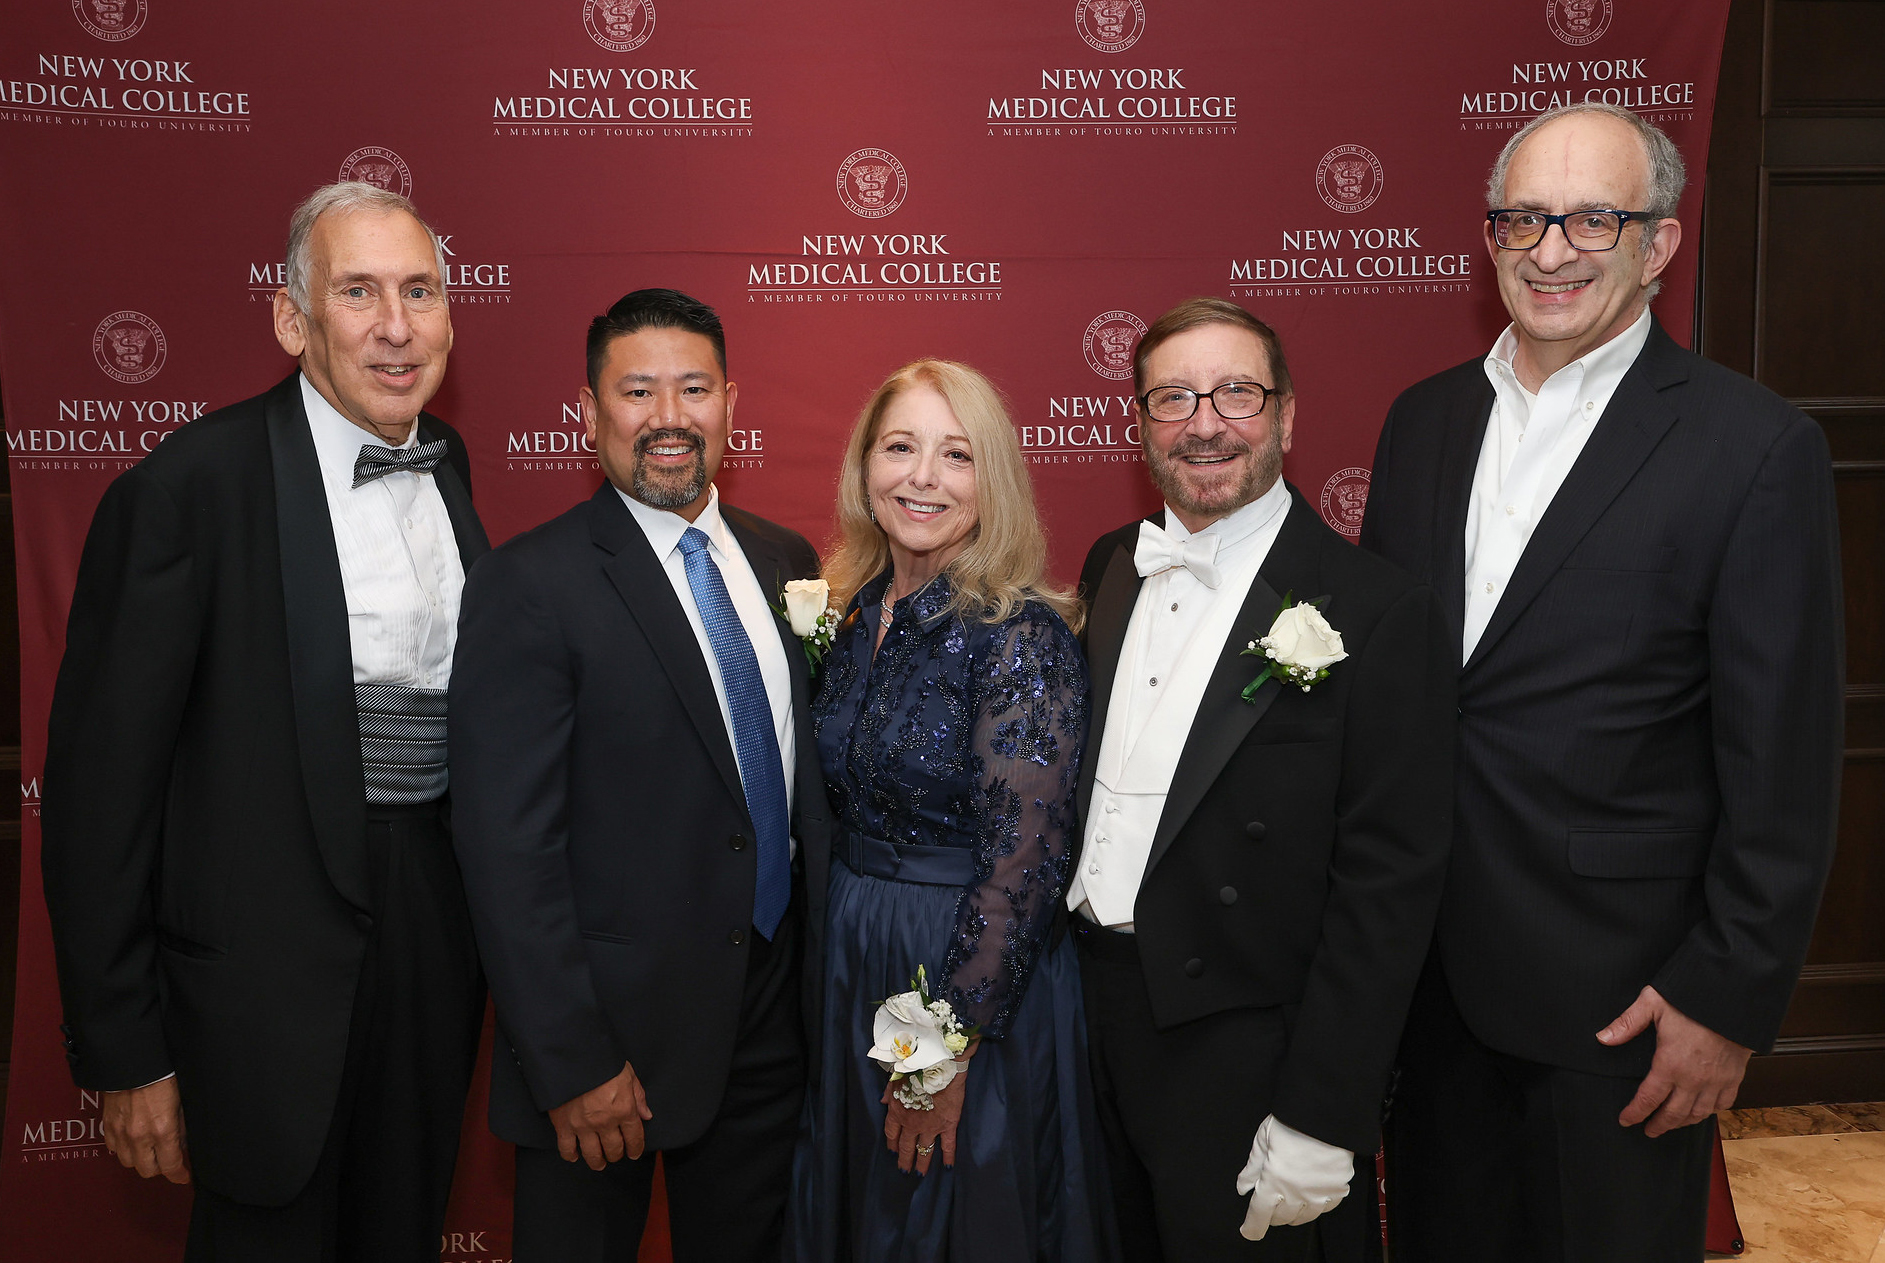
[375, 461]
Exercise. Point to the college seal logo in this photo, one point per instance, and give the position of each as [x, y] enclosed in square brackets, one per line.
[111, 20]
[382, 168]
[872, 183]
[1111, 26]
[1109, 342]
[621, 26]
[129, 346]
[1344, 499]
[1578, 22]
[1349, 178]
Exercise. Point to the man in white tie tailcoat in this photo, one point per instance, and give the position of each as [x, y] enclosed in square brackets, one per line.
[1265, 822]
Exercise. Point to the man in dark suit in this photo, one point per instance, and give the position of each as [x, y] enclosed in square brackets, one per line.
[642, 822]
[1265, 823]
[259, 926]
[1639, 562]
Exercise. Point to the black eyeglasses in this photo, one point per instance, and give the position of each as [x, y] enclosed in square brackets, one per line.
[1591, 231]
[1233, 401]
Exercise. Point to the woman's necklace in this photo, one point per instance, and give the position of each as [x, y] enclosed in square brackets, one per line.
[888, 609]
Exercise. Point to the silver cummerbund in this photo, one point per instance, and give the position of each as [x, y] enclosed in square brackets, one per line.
[402, 742]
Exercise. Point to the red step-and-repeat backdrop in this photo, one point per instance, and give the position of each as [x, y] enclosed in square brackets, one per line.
[853, 184]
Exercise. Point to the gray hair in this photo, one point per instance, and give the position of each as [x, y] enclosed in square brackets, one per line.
[1667, 173]
[349, 195]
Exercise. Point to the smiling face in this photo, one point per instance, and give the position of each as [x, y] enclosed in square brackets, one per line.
[920, 477]
[1566, 303]
[375, 340]
[1208, 467]
[658, 417]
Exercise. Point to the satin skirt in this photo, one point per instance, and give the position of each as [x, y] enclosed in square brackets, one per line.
[1029, 1178]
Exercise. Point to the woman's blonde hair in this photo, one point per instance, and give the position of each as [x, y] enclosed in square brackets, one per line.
[1005, 563]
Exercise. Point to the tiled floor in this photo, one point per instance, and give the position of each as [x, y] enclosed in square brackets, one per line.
[1809, 1182]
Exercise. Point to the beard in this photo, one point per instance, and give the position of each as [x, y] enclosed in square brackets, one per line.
[1213, 494]
[669, 488]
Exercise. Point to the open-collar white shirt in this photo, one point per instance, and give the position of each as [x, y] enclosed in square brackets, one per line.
[1531, 443]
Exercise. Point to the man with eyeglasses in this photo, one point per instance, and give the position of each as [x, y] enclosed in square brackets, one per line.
[1638, 556]
[1266, 815]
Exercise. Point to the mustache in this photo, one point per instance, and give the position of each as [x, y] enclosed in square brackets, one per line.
[668, 438]
[1222, 445]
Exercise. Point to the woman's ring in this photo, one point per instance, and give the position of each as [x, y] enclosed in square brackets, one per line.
[928, 1148]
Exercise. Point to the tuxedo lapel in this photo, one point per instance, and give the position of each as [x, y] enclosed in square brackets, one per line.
[643, 586]
[1459, 463]
[320, 652]
[1633, 423]
[1224, 718]
[1105, 638]
[467, 530]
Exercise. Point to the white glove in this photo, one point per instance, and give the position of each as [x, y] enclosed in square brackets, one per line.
[1291, 1178]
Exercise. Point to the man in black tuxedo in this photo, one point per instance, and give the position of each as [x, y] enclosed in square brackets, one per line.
[1261, 861]
[263, 947]
[1638, 557]
[642, 822]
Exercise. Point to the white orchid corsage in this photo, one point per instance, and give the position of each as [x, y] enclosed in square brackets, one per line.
[805, 605]
[918, 1039]
[1300, 647]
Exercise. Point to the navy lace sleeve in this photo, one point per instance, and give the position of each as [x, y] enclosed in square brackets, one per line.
[1028, 692]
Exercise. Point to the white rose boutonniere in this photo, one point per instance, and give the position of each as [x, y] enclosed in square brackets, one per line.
[805, 605]
[917, 1040]
[1300, 647]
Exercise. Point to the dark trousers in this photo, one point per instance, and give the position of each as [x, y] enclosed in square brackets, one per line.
[1493, 1158]
[727, 1190]
[1179, 1109]
[379, 1189]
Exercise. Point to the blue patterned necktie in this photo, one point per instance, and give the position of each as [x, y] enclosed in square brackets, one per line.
[755, 743]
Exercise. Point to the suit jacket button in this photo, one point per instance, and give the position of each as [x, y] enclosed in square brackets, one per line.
[1227, 896]
[737, 841]
[737, 937]
[1194, 968]
[1255, 829]
[362, 921]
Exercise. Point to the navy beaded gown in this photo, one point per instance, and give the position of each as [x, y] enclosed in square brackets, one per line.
[951, 760]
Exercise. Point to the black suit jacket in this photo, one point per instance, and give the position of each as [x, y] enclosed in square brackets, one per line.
[601, 824]
[1650, 725]
[1299, 857]
[204, 804]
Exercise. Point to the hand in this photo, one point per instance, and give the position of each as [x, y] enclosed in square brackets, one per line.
[913, 1135]
[144, 1129]
[1291, 1178]
[604, 1122]
[1695, 1071]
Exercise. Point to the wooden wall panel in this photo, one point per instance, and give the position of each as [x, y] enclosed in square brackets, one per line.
[1796, 180]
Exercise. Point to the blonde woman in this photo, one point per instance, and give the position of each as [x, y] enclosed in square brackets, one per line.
[950, 724]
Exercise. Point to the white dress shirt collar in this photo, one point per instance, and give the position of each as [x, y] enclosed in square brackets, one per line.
[1595, 375]
[664, 527]
[1234, 528]
[337, 441]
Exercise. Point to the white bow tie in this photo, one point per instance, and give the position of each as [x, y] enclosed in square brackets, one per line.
[1158, 551]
